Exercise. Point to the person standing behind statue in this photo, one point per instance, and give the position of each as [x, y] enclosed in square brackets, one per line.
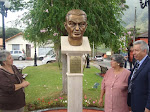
[125, 54]
[115, 86]
[131, 58]
[12, 96]
[139, 80]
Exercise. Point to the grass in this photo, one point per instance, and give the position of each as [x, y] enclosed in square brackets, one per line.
[46, 82]
[89, 79]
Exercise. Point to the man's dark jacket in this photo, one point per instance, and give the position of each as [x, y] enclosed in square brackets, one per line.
[139, 98]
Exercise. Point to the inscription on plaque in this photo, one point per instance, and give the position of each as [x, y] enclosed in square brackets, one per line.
[75, 64]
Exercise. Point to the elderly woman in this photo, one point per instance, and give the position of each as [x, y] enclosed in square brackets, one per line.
[12, 96]
[115, 86]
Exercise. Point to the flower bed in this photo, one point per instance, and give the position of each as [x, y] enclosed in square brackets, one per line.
[58, 102]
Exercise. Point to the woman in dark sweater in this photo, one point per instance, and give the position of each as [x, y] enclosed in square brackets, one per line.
[12, 96]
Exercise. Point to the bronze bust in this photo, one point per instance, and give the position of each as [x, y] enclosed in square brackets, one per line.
[76, 23]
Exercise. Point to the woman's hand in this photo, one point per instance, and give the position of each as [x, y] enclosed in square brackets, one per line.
[101, 102]
[25, 83]
[130, 110]
[22, 85]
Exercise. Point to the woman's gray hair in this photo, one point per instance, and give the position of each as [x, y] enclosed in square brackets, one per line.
[3, 56]
[143, 45]
[119, 59]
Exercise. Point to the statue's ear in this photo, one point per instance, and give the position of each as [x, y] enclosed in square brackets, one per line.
[86, 26]
[65, 25]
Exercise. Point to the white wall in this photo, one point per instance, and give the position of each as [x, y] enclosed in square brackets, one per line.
[22, 42]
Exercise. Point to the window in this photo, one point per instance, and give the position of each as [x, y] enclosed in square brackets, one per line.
[15, 47]
[98, 56]
[15, 52]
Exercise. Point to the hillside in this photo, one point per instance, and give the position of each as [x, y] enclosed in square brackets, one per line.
[142, 15]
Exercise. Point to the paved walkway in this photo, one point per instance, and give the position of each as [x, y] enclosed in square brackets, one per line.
[105, 63]
[65, 110]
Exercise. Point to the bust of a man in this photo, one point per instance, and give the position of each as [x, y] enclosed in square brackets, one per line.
[76, 23]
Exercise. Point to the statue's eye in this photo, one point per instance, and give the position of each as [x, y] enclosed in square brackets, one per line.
[71, 23]
[82, 24]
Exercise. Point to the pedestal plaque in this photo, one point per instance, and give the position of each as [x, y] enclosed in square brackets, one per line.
[75, 64]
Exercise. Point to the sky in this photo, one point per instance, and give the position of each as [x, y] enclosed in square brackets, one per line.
[11, 18]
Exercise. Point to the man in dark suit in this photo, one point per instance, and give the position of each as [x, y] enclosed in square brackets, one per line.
[139, 80]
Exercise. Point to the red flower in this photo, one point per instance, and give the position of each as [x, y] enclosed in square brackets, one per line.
[49, 103]
[85, 97]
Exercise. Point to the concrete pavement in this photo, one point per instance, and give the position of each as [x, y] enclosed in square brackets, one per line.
[25, 63]
[105, 63]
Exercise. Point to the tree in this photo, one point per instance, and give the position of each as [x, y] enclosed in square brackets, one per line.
[17, 5]
[104, 17]
[10, 32]
[46, 21]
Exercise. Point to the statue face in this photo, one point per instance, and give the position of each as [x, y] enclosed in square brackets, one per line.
[76, 26]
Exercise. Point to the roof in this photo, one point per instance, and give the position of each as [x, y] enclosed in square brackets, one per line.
[144, 34]
[14, 36]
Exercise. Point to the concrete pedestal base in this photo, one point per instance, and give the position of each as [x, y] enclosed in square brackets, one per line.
[75, 95]
[75, 72]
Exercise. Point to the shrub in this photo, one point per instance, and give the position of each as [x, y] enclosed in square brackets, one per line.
[46, 103]
[58, 102]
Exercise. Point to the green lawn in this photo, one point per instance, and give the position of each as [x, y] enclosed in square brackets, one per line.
[46, 83]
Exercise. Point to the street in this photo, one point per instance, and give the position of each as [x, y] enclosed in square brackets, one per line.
[105, 63]
[25, 63]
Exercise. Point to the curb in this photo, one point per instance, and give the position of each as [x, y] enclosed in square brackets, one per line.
[59, 108]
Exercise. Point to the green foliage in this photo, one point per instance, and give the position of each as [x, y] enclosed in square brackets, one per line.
[46, 103]
[46, 85]
[17, 5]
[10, 32]
[141, 16]
[104, 18]
[129, 35]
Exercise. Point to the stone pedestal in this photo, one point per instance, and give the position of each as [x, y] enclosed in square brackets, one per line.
[75, 94]
[75, 72]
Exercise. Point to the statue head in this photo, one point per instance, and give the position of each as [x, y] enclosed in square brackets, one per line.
[75, 24]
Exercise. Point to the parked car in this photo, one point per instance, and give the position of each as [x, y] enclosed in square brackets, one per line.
[49, 59]
[18, 54]
[98, 58]
[41, 57]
